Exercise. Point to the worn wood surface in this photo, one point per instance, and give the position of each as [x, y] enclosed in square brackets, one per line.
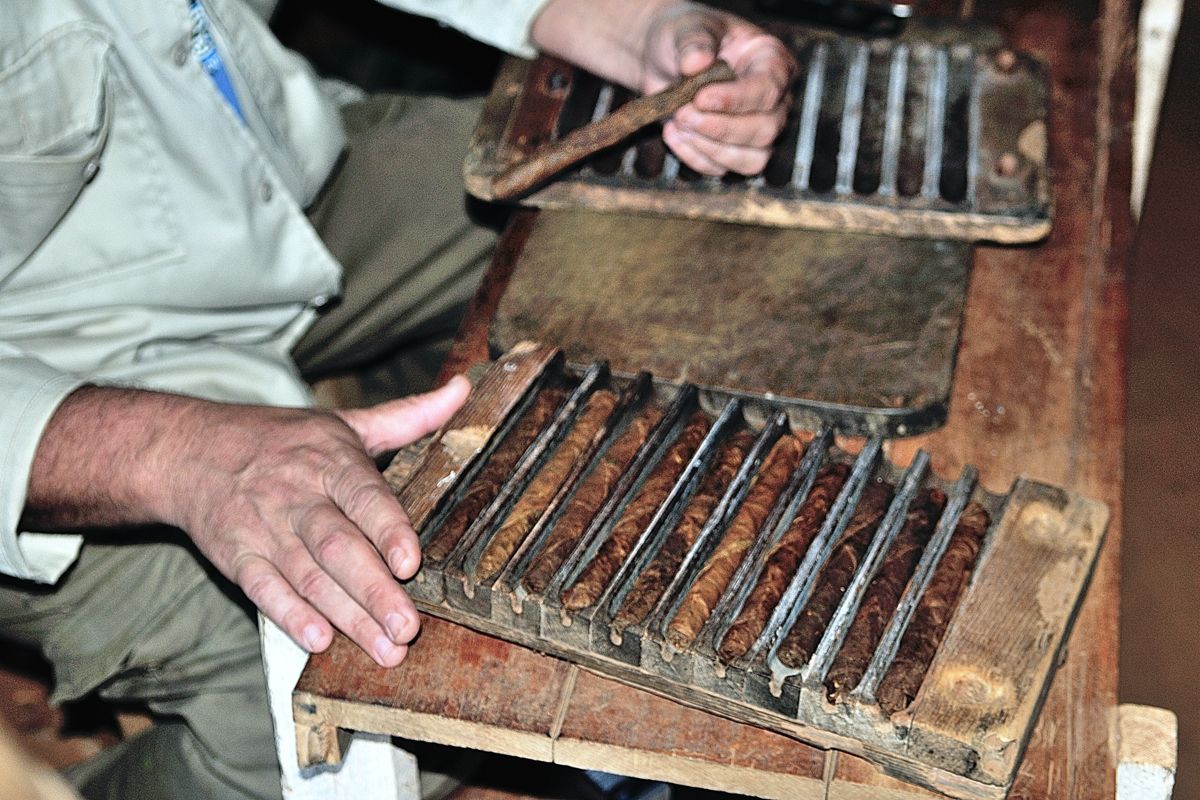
[858, 331]
[1039, 387]
[457, 443]
[971, 719]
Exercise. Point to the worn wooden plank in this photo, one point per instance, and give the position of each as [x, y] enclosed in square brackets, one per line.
[1054, 362]
[985, 687]
[455, 687]
[652, 737]
[854, 778]
[457, 443]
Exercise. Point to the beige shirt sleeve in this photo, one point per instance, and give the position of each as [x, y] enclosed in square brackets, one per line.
[501, 23]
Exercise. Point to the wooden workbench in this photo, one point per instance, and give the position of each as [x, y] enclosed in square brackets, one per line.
[1038, 390]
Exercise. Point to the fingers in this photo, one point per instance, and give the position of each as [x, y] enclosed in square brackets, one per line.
[728, 126]
[340, 574]
[306, 612]
[401, 422]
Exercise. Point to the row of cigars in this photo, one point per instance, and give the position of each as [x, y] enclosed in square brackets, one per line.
[700, 493]
[722, 550]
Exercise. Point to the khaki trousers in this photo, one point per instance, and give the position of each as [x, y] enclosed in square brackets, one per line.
[147, 619]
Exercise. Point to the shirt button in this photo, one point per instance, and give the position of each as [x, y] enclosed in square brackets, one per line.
[90, 170]
[265, 192]
[180, 54]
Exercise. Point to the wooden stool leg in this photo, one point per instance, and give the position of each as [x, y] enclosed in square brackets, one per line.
[371, 765]
[1146, 766]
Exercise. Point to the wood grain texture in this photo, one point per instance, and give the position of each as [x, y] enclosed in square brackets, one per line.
[480, 687]
[1043, 355]
[753, 761]
[1055, 362]
[457, 443]
[1009, 626]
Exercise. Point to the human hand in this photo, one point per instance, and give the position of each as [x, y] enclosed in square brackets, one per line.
[728, 126]
[289, 504]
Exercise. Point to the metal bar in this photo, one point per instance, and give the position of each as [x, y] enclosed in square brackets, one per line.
[722, 515]
[893, 126]
[669, 511]
[630, 399]
[645, 455]
[798, 590]
[792, 497]
[935, 122]
[885, 652]
[893, 522]
[975, 116]
[814, 87]
[852, 115]
[470, 547]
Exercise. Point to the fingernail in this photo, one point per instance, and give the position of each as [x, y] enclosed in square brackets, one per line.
[401, 563]
[396, 625]
[312, 638]
[384, 650]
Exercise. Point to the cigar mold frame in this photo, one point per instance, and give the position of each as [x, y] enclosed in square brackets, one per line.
[938, 133]
[1026, 584]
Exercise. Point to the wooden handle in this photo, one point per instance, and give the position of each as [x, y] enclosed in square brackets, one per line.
[582, 142]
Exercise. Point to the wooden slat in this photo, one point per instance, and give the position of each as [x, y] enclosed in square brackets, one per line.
[462, 438]
[982, 694]
[460, 688]
[668, 741]
[856, 779]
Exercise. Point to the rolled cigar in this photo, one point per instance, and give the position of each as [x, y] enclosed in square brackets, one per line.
[835, 576]
[533, 501]
[637, 515]
[654, 580]
[932, 616]
[883, 593]
[554, 157]
[714, 578]
[591, 494]
[782, 562]
[491, 477]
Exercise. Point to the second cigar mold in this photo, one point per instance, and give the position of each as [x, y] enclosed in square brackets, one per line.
[705, 542]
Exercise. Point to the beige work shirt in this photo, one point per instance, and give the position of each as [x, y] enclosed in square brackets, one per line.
[148, 237]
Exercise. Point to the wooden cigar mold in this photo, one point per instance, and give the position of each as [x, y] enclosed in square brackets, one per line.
[961, 730]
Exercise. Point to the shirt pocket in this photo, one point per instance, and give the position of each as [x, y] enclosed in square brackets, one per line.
[53, 129]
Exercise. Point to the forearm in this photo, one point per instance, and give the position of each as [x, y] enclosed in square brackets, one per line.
[99, 460]
[606, 37]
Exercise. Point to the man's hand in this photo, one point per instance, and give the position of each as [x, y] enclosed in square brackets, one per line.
[646, 44]
[729, 126]
[287, 503]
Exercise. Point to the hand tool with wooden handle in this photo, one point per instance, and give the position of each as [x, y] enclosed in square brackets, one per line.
[554, 157]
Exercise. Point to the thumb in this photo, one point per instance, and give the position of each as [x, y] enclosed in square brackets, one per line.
[681, 41]
[398, 423]
[696, 46]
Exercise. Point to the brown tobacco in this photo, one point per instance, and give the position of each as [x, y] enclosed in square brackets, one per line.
[883, 593]
[587, 500]
[541, 490]
[714, 578]
[487, 483]
[835, 576]
[637, 515]
[932, 615]
[654, 580]
[783, 561]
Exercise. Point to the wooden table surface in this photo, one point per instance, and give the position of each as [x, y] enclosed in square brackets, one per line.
[1039, 390]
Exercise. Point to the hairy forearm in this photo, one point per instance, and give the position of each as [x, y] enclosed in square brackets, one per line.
[606, 37]
[99, 457]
